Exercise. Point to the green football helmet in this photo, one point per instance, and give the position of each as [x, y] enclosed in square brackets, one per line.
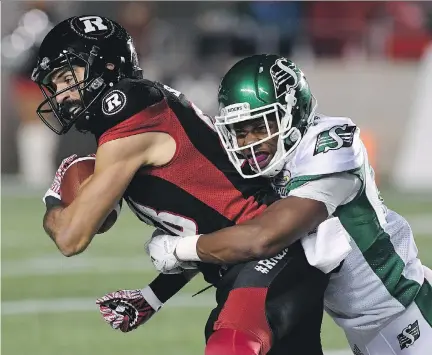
[264, 87]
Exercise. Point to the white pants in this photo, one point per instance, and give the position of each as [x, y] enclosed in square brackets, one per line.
[409, 334]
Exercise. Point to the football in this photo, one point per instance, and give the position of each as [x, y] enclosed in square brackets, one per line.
[76, 175]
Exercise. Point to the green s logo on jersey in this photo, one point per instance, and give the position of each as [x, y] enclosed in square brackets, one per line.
[335, 138]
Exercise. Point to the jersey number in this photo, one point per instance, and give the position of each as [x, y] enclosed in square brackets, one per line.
[176, 224]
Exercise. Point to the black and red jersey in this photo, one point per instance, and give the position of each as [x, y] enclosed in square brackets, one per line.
[198, 191]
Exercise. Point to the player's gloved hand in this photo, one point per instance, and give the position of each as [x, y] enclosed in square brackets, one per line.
[161, 249]
[52, 196]
[126, 310]
[53, 193]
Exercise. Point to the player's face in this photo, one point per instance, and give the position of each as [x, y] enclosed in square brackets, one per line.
[249, 132]
[70, 100]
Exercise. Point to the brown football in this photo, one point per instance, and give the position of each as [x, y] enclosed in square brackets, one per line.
[75, 176]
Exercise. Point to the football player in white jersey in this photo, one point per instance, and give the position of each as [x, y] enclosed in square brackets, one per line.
[379, 295]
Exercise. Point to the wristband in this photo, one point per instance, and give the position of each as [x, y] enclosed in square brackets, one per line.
[52, 202]
[151, 298]
[186, 249]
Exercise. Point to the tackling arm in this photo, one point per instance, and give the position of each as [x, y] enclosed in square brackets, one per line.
[280, 225]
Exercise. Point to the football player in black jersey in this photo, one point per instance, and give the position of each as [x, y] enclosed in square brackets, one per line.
[151, 141]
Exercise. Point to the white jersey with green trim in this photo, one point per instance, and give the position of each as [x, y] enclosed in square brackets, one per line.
[382, 275]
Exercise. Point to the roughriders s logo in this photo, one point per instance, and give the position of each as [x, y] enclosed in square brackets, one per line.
[335, 138]
[409, 335]
[113, 102]
[284, 76]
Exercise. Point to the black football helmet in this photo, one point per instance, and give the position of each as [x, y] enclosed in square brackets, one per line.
[90, 42]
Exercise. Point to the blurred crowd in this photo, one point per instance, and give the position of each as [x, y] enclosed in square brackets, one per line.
[189, 45]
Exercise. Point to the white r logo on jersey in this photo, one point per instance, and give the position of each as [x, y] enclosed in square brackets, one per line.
[113, 102]
[91, 21]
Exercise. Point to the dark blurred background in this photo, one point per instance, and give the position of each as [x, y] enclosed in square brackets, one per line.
[362, 58]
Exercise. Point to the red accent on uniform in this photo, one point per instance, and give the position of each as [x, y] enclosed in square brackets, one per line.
[244, 310]
[189, 169]
[232, 342]
[152, 119]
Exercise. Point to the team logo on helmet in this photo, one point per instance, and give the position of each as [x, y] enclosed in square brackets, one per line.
[44, 64]
[284, 76]
[113, 102]
[92, 27]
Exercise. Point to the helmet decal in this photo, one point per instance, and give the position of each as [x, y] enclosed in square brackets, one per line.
[284, 76]
[44, 64]
[92, 27]
[235, 108]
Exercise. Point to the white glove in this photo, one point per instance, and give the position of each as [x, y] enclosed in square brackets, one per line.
[54, 190]
[161, 250]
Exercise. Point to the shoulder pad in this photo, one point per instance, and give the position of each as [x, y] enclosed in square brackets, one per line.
[127, 98]
[331, 145]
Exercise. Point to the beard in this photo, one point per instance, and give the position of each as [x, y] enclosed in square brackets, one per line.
[88, 121]
[71, 108]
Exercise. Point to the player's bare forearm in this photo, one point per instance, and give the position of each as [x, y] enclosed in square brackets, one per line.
[117, 161]
[73, 227]
[280, 225]
[56, 224]
[116, 164]
[51, 222]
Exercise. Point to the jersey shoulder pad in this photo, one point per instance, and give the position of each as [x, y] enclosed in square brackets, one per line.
[127, 98]
[123, 102]
[330, 145]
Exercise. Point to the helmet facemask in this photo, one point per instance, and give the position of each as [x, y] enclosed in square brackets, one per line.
[288, 137]
[61, 117]
[264, 87]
